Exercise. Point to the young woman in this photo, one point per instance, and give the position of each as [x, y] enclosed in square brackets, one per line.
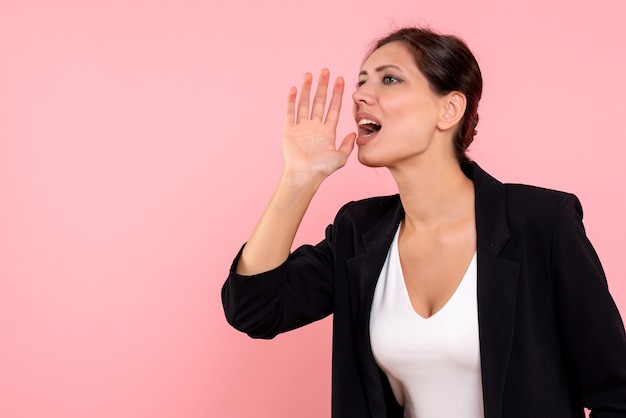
[460, 296]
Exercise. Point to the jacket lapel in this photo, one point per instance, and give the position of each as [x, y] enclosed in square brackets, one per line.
[497, 288]
[377, 242]
[363, 271]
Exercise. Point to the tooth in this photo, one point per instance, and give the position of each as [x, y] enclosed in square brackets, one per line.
[367, 122]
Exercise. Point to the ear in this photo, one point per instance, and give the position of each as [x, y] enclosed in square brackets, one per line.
[452, 110]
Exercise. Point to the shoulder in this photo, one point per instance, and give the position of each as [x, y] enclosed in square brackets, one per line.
[520, 199]
[370, 206]
[526, 197]
[521, 205]
[538, 205]
[362, 215]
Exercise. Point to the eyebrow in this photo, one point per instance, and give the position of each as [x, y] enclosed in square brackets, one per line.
[381, 68]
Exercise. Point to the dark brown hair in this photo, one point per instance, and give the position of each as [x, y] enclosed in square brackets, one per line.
[448, 65]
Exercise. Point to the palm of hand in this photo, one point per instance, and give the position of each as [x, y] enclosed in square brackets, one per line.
[309, 137]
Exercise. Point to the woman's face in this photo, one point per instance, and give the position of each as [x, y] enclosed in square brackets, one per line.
[395, 110]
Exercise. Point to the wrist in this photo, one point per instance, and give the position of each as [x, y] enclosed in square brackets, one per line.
[302, 181]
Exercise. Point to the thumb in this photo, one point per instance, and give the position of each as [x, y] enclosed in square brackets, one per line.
[347, 145]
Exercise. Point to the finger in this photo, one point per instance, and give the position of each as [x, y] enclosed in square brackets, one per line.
[303, 104]
[290, 115]
[335, 103]
[347, 145]
[319, 101]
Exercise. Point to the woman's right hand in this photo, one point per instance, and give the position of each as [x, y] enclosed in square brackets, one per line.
[309, 156]
[309, 150]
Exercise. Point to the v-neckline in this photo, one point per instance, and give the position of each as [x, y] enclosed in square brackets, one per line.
[405, 290]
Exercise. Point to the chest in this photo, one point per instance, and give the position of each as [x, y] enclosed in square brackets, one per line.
[432, 265]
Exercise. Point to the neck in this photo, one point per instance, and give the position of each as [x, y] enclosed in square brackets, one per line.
[434, 192]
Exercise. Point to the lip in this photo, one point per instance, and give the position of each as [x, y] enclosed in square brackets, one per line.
[363, 115]
[364, 139]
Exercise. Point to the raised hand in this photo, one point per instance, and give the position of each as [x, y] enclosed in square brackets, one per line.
[309, 148]
[309, 156]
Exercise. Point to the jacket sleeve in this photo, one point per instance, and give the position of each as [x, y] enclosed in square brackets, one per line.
[593, 331]
[294, 294]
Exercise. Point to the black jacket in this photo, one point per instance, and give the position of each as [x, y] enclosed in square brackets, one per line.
[551, 337]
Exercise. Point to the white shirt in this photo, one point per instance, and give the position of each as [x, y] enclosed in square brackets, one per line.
[433, 364]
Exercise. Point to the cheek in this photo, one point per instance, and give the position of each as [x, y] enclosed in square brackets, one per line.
[407, 105]
[421, 115]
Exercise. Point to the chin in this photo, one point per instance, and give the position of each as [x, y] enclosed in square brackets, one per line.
[368, 161]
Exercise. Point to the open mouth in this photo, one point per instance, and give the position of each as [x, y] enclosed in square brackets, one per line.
[368, 127]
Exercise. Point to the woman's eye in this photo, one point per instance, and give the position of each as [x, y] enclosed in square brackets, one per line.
[389, 79]
[359, 83]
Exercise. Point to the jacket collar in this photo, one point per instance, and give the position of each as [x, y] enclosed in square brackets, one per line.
[496, 293]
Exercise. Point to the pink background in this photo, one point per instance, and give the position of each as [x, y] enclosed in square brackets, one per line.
[139, 142]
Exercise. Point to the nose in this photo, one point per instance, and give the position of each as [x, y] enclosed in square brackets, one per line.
[362, 95]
